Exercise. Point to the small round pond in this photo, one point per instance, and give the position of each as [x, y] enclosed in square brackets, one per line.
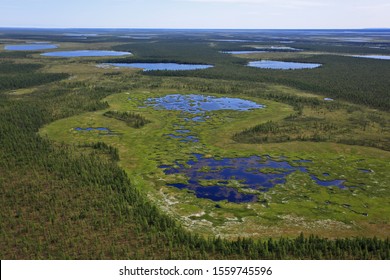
[30, 47]
[282, 65]
[161, 66]
[197, 103]
[85, 53]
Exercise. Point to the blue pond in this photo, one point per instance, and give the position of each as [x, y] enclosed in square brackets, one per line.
[326, 183]
[195, 103]
[264, 50]
[385, 57]
[85, 53]
[282, 65]
[30, 47]
[364, 170]
[161, 66]
[135, 37]
[246, 171]
[282, 48]
[92, 129]
[195, 119]
[81, 35]
[242, 52]
[217, 193]
[232, 40]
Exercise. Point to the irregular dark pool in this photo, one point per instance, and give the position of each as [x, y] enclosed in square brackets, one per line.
[196, 103]
[237, 180]
[282, 65]
[182, 138]
[30, 47]
[161, 66]
[85, 53]
[365, 170]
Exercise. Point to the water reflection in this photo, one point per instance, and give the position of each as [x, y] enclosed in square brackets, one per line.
[237, 180]
[85, 53]
[282, 65]
[161, 66]
[30, 47]
[196, 103]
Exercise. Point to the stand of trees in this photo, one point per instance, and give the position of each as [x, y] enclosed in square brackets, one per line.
[38, 178]
[58, 203]
[357, 80]
[131, 119]
[22, 75]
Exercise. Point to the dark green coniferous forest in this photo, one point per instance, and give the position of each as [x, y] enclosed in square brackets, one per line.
[101, 160]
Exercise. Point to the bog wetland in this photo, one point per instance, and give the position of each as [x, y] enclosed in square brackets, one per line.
[210, 178]
[197, 103]
[160, 66]
[136, 161]
[201, 177]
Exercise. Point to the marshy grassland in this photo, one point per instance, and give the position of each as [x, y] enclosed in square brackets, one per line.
[84, 154]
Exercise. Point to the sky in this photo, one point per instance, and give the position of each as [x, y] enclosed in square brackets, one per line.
[235, 14]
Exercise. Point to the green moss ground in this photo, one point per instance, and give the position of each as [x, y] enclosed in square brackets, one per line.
[297, 206]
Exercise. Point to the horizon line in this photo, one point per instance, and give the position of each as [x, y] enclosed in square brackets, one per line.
[194, 28]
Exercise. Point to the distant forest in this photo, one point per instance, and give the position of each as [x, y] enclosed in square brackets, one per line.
[74, 202]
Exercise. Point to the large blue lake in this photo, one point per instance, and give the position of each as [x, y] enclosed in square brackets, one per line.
[135, 37]
[161, 66]
[242, 52]
[232, 40]
[30, 47]
[385, 57]
[85, 53]
[282, 65]
[80, 34]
